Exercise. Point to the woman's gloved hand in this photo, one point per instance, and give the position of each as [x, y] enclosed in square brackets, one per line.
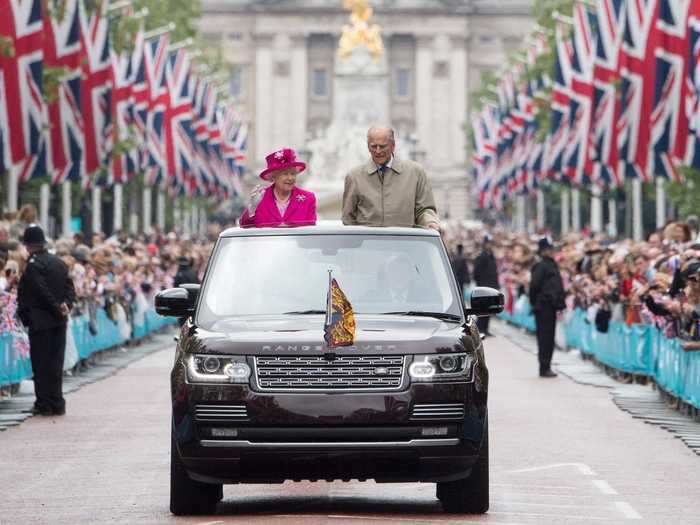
[255, 197]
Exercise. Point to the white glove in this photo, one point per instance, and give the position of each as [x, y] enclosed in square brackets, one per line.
[256, 196]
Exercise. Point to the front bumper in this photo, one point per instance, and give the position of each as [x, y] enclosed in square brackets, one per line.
[325, 436]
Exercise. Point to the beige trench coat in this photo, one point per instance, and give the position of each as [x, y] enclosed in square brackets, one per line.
[404, 198]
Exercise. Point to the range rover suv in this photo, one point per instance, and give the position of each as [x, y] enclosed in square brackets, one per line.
[259, 397]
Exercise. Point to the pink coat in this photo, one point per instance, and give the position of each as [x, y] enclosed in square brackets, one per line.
[301, 211]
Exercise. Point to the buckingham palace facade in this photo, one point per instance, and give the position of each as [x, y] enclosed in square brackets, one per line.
[282, 56]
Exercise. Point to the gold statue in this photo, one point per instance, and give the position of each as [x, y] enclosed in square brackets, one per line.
[361, 33]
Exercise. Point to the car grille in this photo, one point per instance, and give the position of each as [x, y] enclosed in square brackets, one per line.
[438, 411]
[316, 373]
[221, 413]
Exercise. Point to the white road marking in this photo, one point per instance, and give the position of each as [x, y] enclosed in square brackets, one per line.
[535, 487]
[628, 510]
[582, 467]
[551, 516]
[604, 486]
[430, 519]
[211, 523]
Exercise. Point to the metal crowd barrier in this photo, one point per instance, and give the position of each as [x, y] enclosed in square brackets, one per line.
[637, 349]
[15, 367]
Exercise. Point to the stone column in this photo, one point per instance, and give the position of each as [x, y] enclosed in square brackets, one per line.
[160, 209]
[96, 209]
[12, 193]
[147, 213]
[660, 202]
[424, 97]
[299, 91]
[44, 196]
[596, 210]
[66, 208]
[118, 199]
[458, 99]
[541, 215]
[637, 226]
[565, 215]
[264, 103]
[576, 209]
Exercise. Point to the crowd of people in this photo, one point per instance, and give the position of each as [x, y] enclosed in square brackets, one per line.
[656, 281]
[120, 274]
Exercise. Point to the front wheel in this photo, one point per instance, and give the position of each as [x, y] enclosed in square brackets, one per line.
[188, 496]
[469, 495]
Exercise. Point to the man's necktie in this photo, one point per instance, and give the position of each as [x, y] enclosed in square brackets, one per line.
[382, 170]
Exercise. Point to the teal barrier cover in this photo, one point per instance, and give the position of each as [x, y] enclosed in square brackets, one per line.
[638, 349]
[14, 368]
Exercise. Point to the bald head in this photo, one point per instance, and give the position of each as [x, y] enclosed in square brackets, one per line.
[380, 142]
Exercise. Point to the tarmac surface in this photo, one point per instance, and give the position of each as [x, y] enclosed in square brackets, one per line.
[561, 452]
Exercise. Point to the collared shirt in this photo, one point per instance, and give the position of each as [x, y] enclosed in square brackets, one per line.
[387, 165]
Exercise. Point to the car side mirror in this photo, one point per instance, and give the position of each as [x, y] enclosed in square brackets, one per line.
[485, 301]
[177, 302]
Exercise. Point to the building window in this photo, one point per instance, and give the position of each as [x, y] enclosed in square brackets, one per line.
[319, 82]
[235, 36]
[236, 82]
[403, 82]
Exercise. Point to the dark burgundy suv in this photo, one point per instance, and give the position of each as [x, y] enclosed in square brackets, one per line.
[259, 397]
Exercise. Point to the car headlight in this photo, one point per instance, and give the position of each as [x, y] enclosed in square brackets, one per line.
[217, 369]
[441, 367]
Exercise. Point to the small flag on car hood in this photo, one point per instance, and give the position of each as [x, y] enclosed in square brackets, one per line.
[339, 329]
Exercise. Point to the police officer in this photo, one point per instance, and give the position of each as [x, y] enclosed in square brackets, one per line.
[185, 274]
[45, 297]
[485, 274]
[546, 298]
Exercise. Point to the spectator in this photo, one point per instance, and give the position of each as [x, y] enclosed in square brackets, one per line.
[485, 274]
[460, 268]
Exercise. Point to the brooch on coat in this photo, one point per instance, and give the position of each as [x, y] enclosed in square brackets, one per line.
[301, 198]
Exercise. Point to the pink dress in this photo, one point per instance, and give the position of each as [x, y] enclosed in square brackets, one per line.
[301, 211]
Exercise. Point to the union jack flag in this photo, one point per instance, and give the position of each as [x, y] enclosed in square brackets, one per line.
[95, 89]
[606, 76]
[23, 114]
[692, 101]
[140, 96]
[124, 160]
[669, 123]
[559, 119]
[62, 49]
[578, 165]
[637, 68]
[155, 56]
[179, 136]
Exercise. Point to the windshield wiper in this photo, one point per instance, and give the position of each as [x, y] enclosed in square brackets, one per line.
[437, 315]
[305, 312]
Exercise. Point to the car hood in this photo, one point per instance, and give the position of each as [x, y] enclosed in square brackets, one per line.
[303, 334]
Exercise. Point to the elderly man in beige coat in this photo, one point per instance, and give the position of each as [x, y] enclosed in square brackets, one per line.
[387, 191]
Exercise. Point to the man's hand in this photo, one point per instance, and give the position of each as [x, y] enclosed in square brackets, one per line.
[64, 309]
[691, 345]
[434, 226]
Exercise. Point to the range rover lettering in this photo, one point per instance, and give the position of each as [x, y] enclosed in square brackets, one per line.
[260, 396]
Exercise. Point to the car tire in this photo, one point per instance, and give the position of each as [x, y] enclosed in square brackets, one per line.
[187, 496]
[469, 495]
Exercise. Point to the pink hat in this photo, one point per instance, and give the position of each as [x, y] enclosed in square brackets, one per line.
[281, 160]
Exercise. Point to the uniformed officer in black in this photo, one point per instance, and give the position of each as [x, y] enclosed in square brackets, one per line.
[45, 297]
[485, 274]
[546, 298]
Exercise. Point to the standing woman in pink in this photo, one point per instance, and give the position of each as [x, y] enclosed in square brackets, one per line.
[281, 204]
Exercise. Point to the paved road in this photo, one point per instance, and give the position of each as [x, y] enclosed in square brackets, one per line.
[561, 453]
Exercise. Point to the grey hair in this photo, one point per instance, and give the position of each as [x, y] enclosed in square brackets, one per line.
[385, 129]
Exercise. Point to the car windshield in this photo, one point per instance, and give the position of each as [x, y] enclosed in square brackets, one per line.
[286, 274]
